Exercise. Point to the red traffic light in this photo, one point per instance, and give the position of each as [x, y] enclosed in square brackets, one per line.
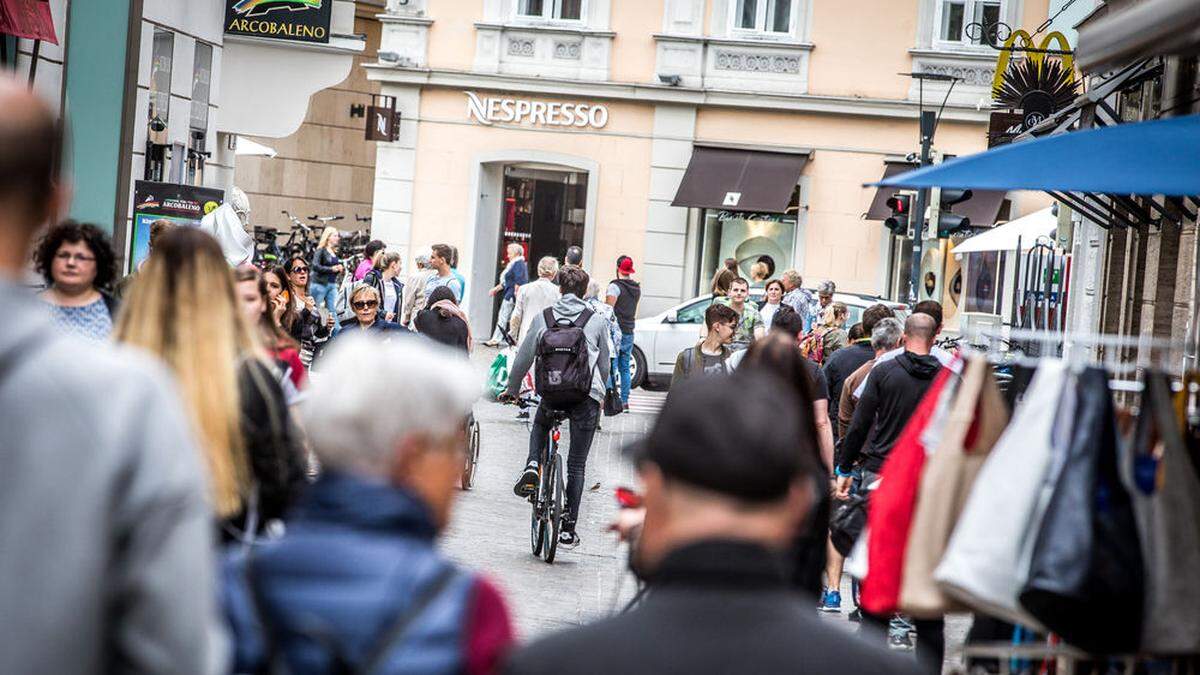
[899, 204]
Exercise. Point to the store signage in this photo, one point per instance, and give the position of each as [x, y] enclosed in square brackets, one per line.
[182, 204]
[491, 110]
[383, 123]
[296, 20]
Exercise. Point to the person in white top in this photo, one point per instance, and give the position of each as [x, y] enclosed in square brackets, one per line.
[534, 298]
[774, 291]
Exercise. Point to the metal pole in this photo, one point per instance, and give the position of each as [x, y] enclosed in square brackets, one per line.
[928, 123]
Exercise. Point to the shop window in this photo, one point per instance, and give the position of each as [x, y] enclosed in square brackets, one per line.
[748, 238]
[551, 10]
[764, 16]
[954, 19]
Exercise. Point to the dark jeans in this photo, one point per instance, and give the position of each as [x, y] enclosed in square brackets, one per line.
[931, 639]
[584, 417]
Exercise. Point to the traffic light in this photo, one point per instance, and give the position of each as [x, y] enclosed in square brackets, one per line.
[901, 206]
[949, 223]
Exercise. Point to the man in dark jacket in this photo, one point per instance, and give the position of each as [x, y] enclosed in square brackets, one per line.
[724, 496]
[893, 392]
[357, 584]
[845, 361]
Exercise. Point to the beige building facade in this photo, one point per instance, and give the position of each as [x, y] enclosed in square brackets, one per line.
[678, 132]
[325, 167]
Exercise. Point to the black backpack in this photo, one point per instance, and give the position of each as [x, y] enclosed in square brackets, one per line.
[562, 375]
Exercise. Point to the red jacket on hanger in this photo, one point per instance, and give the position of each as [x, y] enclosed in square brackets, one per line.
[892, 505]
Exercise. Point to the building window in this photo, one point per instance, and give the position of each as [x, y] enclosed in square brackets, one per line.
[550, 10]
[954, 19]
[764, 16]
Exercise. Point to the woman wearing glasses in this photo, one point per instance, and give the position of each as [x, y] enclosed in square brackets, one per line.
[78, 264]
[364, 300]
[304, 324]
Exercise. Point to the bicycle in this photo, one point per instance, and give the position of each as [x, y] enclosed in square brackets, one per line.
[467, 480]
[549, 501]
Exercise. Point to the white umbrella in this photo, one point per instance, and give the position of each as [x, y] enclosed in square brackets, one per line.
[245, 146]
[1004, 237]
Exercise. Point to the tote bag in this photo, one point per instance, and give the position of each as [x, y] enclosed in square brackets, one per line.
[892, 505]
[976, 419]
[1086, 576]
[987, 558]
[1167, 505]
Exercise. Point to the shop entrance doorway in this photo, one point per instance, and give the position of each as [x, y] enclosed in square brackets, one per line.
[544, 210]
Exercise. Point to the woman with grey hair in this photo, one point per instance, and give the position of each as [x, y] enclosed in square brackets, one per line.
[512, 278]
[414, 289]
[370, 522]
[534, 298]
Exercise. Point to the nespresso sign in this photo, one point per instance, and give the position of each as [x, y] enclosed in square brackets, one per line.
[491, 110]
[297, 20]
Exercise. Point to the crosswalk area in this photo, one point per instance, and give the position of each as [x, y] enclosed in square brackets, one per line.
[646, 402]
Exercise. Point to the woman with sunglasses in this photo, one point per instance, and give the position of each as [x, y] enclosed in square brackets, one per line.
[78, 264]
[364, 300]
[308, 328]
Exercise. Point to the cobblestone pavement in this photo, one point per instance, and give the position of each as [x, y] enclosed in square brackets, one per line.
[490, 528]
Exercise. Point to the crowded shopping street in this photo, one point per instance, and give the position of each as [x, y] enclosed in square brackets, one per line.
[523, 337]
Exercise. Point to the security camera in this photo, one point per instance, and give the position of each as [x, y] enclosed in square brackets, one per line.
[670, 80]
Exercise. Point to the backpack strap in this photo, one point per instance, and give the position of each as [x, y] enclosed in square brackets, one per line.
[395, 634]
[584, 316]
[548, 315]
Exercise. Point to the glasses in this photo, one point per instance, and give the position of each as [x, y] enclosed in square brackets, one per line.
[77, 257]
[365, 304]
[298, 270]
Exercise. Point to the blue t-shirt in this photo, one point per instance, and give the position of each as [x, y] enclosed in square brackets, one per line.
[451, 281]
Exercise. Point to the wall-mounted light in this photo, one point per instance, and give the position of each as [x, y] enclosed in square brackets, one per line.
[670, 80]
[358, 110]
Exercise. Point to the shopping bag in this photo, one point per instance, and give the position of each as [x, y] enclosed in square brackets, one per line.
[848, 522]
[976, 418]
[497, 380]
[1166, 501]
[892, 506]
[987, 558]
[1086, 578]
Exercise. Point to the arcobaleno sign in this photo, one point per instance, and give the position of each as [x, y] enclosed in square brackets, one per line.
[522, 111]
[297, 20]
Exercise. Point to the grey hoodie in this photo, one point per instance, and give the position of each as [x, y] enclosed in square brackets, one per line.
[568, 307]
[105, 535]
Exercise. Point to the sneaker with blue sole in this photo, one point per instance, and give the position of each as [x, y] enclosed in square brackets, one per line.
[831, 601]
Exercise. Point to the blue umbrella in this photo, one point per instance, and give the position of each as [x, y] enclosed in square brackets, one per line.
[1142, 158]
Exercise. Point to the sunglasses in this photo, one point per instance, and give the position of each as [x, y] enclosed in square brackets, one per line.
[364, 304]
[298, 270]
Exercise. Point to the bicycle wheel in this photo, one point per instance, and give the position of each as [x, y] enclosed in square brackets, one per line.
[537, 522]
[468, 475]
[555, 505]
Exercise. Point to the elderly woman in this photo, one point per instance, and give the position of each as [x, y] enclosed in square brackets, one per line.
[78, 264]
[370, 522]
[365, 301]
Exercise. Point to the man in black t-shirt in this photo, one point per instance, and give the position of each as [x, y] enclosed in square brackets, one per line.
[623, 294]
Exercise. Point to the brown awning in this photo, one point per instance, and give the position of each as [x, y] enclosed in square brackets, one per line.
[982, 208]
[740, 180]
[879, 209]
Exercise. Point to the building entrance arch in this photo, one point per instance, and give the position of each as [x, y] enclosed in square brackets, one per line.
[490, 213]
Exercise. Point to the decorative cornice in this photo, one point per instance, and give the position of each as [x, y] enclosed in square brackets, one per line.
[544, 28]
[733, 42]
[409, 20]
[664, 94]
[981, 57]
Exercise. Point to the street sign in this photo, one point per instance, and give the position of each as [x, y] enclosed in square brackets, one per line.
[295, 20]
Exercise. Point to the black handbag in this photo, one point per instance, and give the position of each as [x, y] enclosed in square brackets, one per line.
[613, 405]
[1086, 577]
[848, 520]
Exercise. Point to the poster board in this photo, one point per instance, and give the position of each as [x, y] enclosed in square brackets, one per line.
[181, 204]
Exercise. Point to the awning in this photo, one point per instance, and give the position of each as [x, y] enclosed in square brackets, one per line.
[982, 208]
[29, 19]
[1004, 237]
[1160, 157]
[1151, 28]
[245, 146]
[740, 180]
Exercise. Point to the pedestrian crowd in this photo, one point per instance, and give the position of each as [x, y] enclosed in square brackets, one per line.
[260, 460]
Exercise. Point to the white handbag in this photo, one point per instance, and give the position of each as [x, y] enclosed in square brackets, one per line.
[987, 559]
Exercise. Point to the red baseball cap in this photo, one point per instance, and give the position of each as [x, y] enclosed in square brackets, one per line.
[626, 266]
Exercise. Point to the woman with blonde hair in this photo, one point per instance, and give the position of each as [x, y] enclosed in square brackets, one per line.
[182, 309]
[364, 300]
[758, 274]
[325, 270]
[829, 335]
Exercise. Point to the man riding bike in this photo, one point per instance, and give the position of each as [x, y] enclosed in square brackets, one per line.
[544, 342]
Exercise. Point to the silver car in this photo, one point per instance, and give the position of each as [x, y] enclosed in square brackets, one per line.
[658, 339]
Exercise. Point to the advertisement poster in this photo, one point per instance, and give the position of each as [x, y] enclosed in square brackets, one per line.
[182, 204]
[984, 274]
[297, 20]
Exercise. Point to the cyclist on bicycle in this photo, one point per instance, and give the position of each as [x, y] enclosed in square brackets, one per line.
[584, 415]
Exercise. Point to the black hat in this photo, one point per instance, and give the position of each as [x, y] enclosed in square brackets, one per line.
[738, 435]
